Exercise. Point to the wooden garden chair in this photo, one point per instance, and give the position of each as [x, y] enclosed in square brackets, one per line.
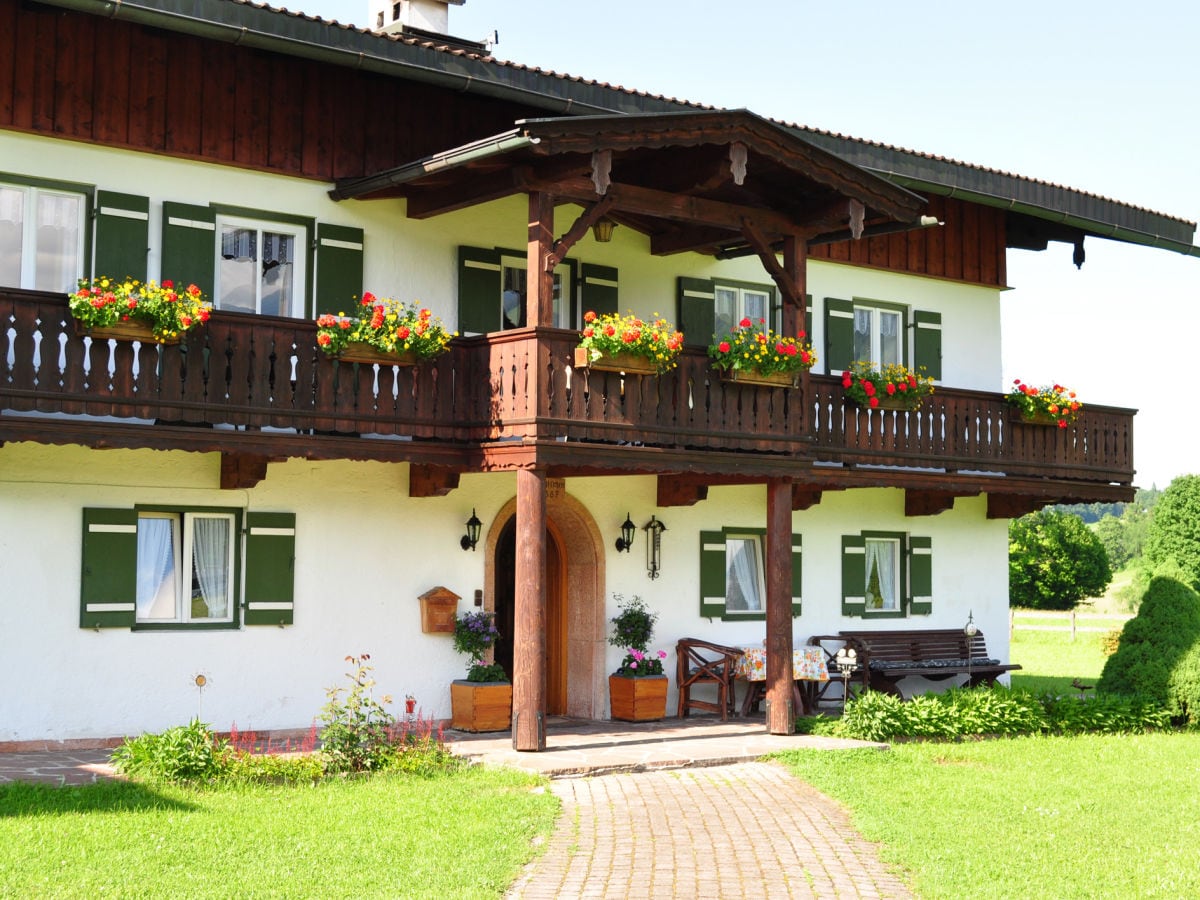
[704, 663]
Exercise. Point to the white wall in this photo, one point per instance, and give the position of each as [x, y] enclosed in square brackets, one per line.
[365, 552]
[416, 260]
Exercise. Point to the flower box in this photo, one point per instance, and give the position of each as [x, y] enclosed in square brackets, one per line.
[617, 362]
[480, 705]
[360, 352]
[638, 698]
[123, 331]
[773, 379]
[439, 609]
[1025, 418]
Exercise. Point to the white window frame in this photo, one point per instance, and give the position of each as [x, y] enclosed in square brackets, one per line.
[741, 293]
[897, 547]
[183, 541]
[563, 288]
[759, 541]
[299, 235]
[876, 312]
[29, 233]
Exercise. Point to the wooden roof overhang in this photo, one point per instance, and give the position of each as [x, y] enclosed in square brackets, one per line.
[718, 182]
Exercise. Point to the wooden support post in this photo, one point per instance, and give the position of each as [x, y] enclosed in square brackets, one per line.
[781, 713]
[795, 265]
[539, 283]
[529, 620]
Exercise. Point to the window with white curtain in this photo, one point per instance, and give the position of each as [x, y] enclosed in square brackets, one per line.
[41, 238]
[733, 303]
[882, 586]
[744, 583]
[878, 335]
[185, 567]
[260, 267]
[514, 280]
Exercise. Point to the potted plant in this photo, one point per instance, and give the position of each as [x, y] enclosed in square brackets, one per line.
[755, 354]
[1052, 405]
[638, 689]
[483, 700]
[385, 331]
[130, 310]
[889, 387]
[628, 344]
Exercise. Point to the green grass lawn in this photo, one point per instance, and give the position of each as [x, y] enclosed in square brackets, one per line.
[461, 835]
[1104, 816]
[1052, 817]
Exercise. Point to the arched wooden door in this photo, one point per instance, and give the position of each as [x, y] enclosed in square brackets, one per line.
[556, 612]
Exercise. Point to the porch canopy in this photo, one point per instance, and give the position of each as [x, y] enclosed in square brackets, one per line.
[725, 183]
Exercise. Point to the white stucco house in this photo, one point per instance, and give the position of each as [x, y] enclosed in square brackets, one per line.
[317, 501]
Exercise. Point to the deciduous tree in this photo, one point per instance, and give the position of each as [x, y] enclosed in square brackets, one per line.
[1054, 561]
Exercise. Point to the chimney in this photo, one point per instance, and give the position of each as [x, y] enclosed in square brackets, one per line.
[398, 16]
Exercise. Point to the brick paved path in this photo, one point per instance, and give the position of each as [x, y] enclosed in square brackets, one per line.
[730, 831]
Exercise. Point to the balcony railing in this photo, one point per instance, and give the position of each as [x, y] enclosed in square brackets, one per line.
[258, 372]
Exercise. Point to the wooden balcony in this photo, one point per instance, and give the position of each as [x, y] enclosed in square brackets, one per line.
[259, 385]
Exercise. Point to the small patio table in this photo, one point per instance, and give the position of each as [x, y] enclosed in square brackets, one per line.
[808, 664]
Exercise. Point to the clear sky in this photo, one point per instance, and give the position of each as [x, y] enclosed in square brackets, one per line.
[1096, 96]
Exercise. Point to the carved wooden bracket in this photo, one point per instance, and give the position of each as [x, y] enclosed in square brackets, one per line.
[431, 481]
[929, 503]
[676, 491]
[602, 170]
[589, 217]
[766, 254]
[242, 470]
[737, 162]
[1013, 506]
[805, 497]
[858, 213]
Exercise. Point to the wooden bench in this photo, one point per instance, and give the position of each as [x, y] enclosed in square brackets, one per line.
[936, 654]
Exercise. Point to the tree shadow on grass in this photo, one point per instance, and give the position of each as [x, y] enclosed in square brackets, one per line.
[24, 799]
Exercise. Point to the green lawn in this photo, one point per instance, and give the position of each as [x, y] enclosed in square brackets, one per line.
[1027, 817]
[1052, 817]
[462, 835]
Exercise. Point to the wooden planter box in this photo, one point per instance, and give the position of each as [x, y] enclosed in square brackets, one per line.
[123, 331]
[637, 699]
[901, 404]
[480, 705]
[358, 352]
[775, 379]
[1017, 415]
[618, 362]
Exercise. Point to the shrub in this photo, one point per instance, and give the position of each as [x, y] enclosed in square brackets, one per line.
[1054, 561]
[973, 712]
[355, 732]
[183, 753]
[1158, 657]
[1174, 531]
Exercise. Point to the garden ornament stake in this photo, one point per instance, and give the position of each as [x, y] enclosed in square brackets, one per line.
[847, 661]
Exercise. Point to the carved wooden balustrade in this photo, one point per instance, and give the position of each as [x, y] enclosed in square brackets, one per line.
[259, 372]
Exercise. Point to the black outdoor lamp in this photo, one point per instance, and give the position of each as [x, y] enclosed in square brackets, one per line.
[628, 529]
[471, 538]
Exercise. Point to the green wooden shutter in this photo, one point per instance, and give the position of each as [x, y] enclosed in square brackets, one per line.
[599, 289]
[108, 582]
[270, 568]
[712, 574]
[697, 316]
[189, 248]
[920, 576]
[839, 335]
[854, 574]
[478, 290]
[927, 343]
[797, 560]
[339, 267]
[122, 235]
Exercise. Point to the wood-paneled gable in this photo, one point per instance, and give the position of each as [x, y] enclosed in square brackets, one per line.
[970, 246]
[115, 83]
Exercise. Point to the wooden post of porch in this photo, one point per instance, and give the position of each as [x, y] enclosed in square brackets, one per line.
[539, 280]
[795, 264]
[529, 618]
[781, 713]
